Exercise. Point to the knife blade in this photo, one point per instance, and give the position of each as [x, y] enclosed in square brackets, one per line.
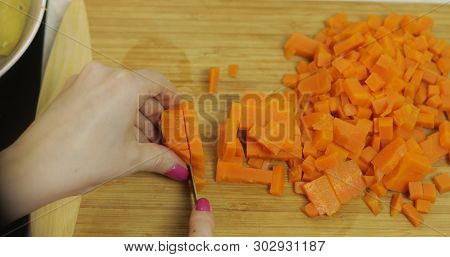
[192, 182]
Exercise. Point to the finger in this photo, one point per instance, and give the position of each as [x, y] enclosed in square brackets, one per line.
[201, 223]
[70, 81]
[140, 137]
[160, 159]
[146, 126]
[152, 109]
[158, 86]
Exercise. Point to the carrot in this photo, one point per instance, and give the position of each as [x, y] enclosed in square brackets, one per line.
[356, 92]
[412, 167]
[317, 83]
[277, 185]
[429, 192]
[298, 187]
[348, 136]
[302, 45]
[234, 172]
[233, 70]
[310, 210]
[432, 148]
[389, 156]
[444, 135]
[327, 161]
[213, 79]
[321, 194]
[372, 201]
[412, 214]
[255, 163]
[422, 206]
[396, 204]
[442, 183]
[415, 190]
[379, 189]
[295, 174]
[352, 42]
[374, 82]
[386, 128]
[346, 180]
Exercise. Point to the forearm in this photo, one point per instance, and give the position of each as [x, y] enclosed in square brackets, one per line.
[25, 182]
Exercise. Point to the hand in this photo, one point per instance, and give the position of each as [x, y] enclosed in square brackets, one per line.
[88, 136]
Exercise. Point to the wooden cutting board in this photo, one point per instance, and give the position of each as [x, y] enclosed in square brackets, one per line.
[182, 39]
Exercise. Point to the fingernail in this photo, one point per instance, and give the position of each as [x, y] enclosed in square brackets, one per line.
[202, 204]
[178, 172]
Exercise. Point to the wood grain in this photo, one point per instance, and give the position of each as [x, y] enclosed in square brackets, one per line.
[182, 39]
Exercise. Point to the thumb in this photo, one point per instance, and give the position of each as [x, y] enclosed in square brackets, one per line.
[160, 159]
[201, 223]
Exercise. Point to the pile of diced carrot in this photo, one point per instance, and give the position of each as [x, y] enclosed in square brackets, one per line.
[365, 113]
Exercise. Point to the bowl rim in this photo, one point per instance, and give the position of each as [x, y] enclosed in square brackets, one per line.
[24, 46]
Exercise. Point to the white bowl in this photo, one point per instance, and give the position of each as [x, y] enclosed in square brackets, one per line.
[31, 27]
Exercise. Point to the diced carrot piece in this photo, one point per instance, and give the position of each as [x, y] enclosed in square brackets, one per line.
[432, 148]
[444, 135]
[412, 167]
[422, 206]
[396, 204]
[412, 214]
[413, 147]
[298, 187]
[375, 82]
[234, 172]
[295, 174]
[310, 210]
[376, 143]
[372, 201]
[352, 42]
[369, 180]
[429, 192]
[442, 183]
[415, 190]
[355, 92]
[321, 194]
[327, 161]
[346, 180]
[368, 154]
[233, 70]
[309, 149]
[406, 116]
[303, 45]
[277, 185]
[290, 80]
[389, 156]
[379, 189]
[317, 83]
[255, 163]
[334, 148]
[338, 21]
[302, 66]
[213, 79]
[348, 136]
[386, 128]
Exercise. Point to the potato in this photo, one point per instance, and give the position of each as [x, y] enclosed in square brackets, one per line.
[13, 15]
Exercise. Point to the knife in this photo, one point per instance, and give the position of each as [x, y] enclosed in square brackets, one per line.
[192, 182]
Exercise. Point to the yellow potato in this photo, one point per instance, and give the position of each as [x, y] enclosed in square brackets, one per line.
[13, 15]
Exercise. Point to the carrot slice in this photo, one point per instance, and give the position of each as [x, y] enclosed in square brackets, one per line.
[379, 189]
[277, 185]
[213, 79]
[372, 201]
[233, 70]
[396, 204]
[389, 156]
[422, 206]
[346, 180]
[302, 45]
[429, 192]
[442, 183]
[415, 190]
[310, 210]
[321, 194]
[412, 214]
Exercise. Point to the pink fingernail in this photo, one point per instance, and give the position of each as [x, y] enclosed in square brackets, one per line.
[202, 204]
[178, 172]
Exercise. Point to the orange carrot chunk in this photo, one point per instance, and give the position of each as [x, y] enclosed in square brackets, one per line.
[213, 79]
[396, 204]
[310, 210]
[429, 192]
[422, 206]
[302, 45]
[321, 194]
[415, 190]
[442, 183]
[277, 186]
[233, 70]
[372, 201]
[412, 214]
